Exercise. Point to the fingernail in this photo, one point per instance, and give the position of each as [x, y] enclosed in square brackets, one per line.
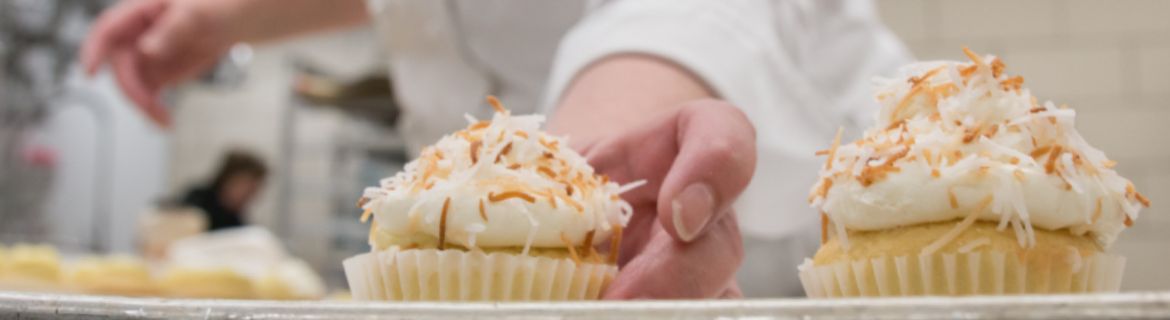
[692, 208]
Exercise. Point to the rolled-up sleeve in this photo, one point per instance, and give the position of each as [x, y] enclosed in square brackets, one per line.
[730, 45]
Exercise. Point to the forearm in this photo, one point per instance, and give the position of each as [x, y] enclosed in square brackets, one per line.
[620, 91]
[267, 20]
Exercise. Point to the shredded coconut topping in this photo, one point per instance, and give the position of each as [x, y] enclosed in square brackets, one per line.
[499, 183]
[970, 130]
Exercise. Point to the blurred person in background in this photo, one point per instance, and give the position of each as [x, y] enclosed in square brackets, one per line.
[224, 200]
[690, 95]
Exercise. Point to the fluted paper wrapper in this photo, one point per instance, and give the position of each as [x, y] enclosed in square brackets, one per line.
[975, 273]
[456, 275]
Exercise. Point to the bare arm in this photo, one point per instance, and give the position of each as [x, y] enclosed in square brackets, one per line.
[265, 20]
[618, 92]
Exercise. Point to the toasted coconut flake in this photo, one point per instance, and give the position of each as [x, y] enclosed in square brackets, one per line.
[967, 71]
[833, 149]
[821, 152]
[479, 125]
[906, 100]
[1040, 152]
[1141, 198]
[572, 249]
[507, 148]
[496, 105]
[997, 67]
[1128, 220]
[511, 194]
[589, 252]
[971, 134]
[552, 200]
[362, 202]
[521, 133]
[615, 244]
[1019, 175]
[366, 215]
[934, 173]
[475, 151]
[952, 198]
[443, 224]
[482, 211]
[572, 203]
[824, 227]
[1014, 83]
[552, 146]
[974, 57]
[1050, 167]
[915, 80]
[546, 171]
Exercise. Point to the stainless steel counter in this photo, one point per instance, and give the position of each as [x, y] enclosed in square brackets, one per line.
[1154, 305]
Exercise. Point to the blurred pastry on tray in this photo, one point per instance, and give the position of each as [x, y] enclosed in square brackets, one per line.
[111, 275]
[35, 268]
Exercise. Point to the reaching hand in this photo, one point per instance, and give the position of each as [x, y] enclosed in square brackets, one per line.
[683, 240]
[153, 44]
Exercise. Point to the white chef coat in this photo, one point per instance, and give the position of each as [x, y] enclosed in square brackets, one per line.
[799, 69]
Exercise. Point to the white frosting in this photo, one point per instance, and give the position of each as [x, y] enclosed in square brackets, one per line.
[568, 199]
[962, 141]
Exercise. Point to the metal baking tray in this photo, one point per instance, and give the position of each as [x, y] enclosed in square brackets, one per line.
[1150, 305]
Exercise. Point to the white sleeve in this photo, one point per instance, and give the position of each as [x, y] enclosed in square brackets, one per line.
[772, 59]
[723, 42]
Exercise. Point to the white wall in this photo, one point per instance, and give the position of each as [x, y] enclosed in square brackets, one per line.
[210, 120]
[1109, 60]
[110, 166]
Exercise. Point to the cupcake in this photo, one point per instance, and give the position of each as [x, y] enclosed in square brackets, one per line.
[499, 211]
[967, 185]
[31, 268]
[115, 275]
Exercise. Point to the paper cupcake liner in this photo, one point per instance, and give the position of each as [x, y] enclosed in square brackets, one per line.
[456, 275]
[975, 273]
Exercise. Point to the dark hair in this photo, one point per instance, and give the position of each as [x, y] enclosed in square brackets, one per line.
[238, 162]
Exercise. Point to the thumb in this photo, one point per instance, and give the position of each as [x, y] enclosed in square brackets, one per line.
[715, 161]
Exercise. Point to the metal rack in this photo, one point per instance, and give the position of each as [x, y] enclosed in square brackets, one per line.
[1151, 305]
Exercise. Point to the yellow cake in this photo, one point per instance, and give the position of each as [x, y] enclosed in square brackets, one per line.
[967, 184]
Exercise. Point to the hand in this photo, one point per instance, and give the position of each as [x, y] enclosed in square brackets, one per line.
[683, 240]
[154, 44]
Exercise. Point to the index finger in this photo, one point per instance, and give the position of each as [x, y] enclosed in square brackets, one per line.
[715, 163]
[119, 24]
[696, 161]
